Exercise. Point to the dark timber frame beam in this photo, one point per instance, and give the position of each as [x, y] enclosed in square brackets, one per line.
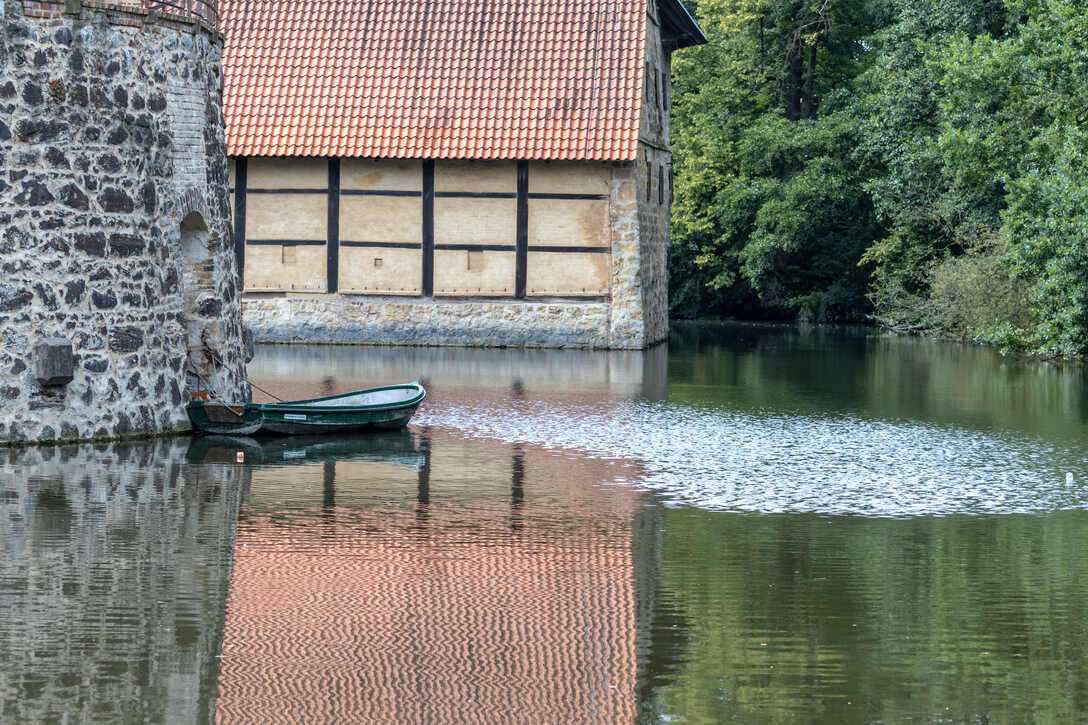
[428, 228]
[522, 255]
[332, 248]
[240, 220]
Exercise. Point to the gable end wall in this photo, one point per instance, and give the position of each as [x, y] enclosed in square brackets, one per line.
[654, 183]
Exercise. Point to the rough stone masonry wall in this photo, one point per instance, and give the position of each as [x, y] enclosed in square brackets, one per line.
[111, 134]
[627, 323]
[355, 319]
[654, 169]
[653, 225]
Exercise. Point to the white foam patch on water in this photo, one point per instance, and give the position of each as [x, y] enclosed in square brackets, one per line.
[726, 460]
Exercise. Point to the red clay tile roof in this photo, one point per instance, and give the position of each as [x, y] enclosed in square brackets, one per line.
[479, 79]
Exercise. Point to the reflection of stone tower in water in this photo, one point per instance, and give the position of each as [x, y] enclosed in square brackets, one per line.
[115, 233]
[116, 565]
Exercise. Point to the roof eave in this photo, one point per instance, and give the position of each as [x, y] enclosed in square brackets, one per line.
[683, 30]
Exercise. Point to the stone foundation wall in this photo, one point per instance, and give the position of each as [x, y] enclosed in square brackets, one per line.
[114, 221]
[350, 319]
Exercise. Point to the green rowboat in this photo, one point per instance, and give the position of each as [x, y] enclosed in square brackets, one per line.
[385, 408]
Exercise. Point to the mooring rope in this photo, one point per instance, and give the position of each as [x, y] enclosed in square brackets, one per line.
[258, 387]
[201, 378]
[211, 390]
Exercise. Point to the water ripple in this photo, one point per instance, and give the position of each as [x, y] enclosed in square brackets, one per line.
[739, 461]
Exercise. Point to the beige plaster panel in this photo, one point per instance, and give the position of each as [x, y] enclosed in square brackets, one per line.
[569, 177]
[232, 210]
[381, 219]
[231, 164]
[287, 173]
[382, 174]
[492, 273]
[492, 176]
[567, 274]
[272, 267]
[475, 221]
[574, 222]
[398, 273]
[287, 216]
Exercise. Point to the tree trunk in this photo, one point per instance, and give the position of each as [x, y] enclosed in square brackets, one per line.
[808, 89]
[792, 86]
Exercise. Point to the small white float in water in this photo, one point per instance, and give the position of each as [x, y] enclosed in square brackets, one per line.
[1069, 478]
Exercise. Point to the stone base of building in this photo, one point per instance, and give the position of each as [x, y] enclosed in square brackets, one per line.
[359, 320]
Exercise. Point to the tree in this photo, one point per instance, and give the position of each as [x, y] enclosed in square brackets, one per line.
[771, 212]
[927, 156]
[1017, 106]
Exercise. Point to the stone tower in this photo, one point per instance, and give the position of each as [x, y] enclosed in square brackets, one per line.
[118, 292]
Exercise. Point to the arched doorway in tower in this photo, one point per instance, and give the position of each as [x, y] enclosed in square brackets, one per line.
[202, 306]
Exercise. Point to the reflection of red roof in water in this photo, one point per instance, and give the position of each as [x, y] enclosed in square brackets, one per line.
[456, 621]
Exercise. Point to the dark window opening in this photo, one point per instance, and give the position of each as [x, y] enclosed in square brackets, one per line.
[649, 180]
[661, 184]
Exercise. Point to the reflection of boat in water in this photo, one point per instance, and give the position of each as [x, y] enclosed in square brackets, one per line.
[393, 447]
[384, 408]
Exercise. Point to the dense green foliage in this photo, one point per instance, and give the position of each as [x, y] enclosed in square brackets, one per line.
[917, 162]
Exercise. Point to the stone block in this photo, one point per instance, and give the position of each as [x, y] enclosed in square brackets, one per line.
[54, 363]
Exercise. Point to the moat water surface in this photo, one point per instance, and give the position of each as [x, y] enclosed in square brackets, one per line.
[750, 524]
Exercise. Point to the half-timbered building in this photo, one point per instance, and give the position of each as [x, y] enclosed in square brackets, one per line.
[453, 171]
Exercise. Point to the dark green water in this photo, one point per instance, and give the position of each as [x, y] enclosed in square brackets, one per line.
[752, 524]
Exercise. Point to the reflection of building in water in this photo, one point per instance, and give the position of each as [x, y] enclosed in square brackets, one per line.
[490, 583]
[113, 581]
[638, 373]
